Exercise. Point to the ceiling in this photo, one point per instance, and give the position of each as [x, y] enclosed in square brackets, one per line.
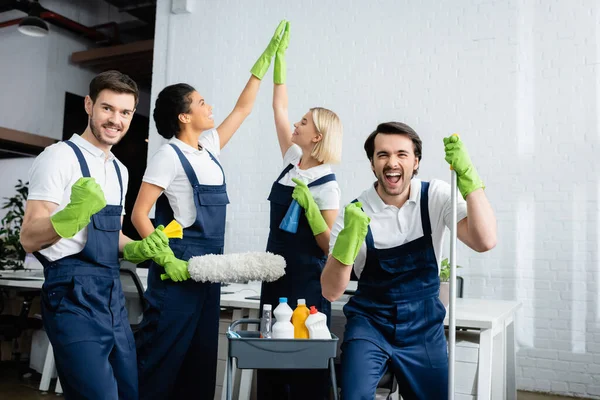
[125, 46]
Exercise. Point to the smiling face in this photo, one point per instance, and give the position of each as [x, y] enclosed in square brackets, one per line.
[109, 117]
[200, 113]
[394, 163]
[305, 133]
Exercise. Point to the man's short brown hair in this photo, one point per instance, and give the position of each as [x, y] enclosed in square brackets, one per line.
[114, 81]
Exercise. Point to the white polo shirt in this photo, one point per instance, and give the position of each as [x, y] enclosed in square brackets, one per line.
[165, 170]
[392, 226]
[327, 195]
[56, 169]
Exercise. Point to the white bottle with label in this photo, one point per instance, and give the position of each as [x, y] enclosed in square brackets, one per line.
[317, 325]
[283, 327]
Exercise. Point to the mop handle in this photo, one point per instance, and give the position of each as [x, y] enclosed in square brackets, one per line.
[452, 303]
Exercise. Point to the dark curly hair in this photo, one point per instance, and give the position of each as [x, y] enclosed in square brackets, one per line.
[171, 101]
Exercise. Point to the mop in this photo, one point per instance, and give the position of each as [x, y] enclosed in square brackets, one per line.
[452, 304]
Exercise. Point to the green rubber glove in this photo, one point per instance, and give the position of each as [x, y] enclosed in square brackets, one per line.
[280, 68]
[352, 236]
[264, 61]
[305, 199]
[87, 199]
[145, 249]
[457, 156]
[175, 269]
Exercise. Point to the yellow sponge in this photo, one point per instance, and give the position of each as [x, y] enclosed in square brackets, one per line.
[174, 230]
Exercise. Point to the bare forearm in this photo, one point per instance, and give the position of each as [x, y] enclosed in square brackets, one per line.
[334, 279]
[323, 240]
[142, 224]
[481, 221]
[38, 234]
[280, 97]
[123, 240]
[247, 98]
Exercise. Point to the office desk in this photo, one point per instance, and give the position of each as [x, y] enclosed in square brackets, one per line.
[494, 319]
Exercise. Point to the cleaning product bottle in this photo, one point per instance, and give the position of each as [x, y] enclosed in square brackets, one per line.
[283, 328]
[317, 325]
[299, 319]
[265, 322]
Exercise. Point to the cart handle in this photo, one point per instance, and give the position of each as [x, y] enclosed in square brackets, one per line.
[243, 321]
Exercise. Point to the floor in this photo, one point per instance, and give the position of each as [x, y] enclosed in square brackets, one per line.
[13, 388]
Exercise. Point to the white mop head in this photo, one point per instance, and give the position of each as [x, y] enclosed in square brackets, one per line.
[242, 267]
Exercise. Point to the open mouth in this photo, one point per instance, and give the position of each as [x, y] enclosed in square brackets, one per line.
[112, 131]
[210, 117]
[392, 177]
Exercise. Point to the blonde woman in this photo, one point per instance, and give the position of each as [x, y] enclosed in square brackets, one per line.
[308, 152]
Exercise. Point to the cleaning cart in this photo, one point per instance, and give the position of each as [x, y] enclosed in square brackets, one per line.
[253, 352]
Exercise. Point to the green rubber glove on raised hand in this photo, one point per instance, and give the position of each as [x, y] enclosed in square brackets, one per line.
[305, 199]
[280, 67]
[457, 156]
[87, 199]
[145, 249]
[264, 61]
[175, 269]
[352, 236]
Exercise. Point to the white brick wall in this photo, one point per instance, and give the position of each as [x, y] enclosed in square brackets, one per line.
[517, 79]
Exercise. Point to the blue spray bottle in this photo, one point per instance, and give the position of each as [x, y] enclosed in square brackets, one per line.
[292, 216]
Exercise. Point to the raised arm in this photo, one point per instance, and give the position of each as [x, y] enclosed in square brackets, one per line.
[478, 230]
[280, 96]
[245, 102]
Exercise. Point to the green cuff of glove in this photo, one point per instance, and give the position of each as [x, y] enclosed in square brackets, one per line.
[315, 220]
[67, 222]
[260, 68]
[132, 252]
[346, 247]
[469, 182]
[348, 242]
[279, 70]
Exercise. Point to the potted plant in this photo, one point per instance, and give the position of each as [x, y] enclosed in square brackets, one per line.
[444, 282]
[12, 254]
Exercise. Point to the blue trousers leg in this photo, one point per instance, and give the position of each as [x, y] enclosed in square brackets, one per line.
[363, 365]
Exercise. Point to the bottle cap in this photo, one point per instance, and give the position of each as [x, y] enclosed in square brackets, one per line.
[313, 310]
[266, 307]
[283, 299]
[301, 301]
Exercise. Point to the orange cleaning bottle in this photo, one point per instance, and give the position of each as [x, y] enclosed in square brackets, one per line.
[299, 320]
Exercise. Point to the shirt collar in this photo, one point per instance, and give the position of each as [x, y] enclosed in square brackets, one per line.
[314, 172]
[378, 205]
[186, 148]
[90, 148]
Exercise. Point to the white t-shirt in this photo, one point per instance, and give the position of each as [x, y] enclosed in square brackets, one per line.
[327, 195]
[165, 170]
[56, 169]
[392, 226]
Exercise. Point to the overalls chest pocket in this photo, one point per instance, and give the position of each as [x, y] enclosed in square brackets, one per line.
[106, 240]
[211, 210]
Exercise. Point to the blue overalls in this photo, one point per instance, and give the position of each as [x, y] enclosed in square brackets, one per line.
[83, 310]
[395, 320]
[177, 341]
[305, 261]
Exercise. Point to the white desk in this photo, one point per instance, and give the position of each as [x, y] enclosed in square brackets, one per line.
[493, 318]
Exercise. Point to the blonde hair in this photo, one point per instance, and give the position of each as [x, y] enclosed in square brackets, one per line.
[329, 149]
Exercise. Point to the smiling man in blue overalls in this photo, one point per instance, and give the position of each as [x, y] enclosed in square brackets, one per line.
[393, 236]
[72, 224]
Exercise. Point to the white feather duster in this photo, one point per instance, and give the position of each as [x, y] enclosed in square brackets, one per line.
[237, 267]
